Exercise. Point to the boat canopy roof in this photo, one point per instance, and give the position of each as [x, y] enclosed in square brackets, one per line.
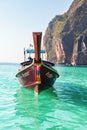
[33, 51]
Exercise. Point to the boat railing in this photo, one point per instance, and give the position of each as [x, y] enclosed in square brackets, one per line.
[30, 53]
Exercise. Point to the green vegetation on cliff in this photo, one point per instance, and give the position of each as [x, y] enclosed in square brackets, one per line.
[65, 39]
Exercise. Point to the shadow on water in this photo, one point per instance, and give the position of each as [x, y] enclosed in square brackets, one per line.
[72, 93]
[34, 108]
[51, 106]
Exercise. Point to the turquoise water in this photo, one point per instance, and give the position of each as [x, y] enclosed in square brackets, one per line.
[63, 107]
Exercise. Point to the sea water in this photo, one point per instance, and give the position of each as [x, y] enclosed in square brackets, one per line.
[63, 107]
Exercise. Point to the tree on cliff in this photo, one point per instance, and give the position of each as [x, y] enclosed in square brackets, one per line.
[65, 38]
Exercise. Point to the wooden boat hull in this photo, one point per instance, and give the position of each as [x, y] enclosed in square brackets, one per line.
[39, 76]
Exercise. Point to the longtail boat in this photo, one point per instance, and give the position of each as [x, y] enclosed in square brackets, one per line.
[36, 72]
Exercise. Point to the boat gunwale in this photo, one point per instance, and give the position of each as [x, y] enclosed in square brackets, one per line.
[24, 67]
[51, 68]
[27, 66]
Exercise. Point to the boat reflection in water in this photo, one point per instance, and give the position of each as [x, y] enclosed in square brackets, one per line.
[32, 110]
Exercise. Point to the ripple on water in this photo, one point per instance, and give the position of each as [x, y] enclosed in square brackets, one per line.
[61, 108]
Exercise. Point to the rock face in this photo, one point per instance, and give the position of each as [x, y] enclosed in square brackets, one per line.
[65, 38]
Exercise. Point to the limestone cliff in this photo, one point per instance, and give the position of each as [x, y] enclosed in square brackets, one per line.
[65, 39]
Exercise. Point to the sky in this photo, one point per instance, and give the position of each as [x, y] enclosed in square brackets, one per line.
[19, 18]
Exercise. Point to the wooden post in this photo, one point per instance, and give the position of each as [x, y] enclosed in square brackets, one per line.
[36, 89]
[24, 54]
